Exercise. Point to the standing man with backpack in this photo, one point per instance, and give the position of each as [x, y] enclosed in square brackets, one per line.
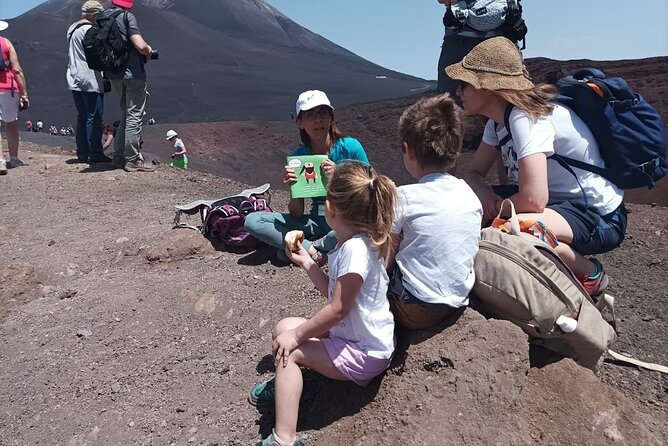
[13, 97]
[469, 22]
[87, 89]
[129, 81]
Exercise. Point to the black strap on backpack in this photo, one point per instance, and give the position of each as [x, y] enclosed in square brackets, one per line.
[514, 28]
[69, 37]
[4, 63]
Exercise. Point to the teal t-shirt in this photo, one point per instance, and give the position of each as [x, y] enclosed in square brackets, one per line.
[345, 148]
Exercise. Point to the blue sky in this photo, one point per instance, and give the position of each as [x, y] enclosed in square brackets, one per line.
[405, 35]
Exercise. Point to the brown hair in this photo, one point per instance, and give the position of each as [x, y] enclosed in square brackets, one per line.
[334, 132]
[433, 128]
[366, 202]
[535, 101]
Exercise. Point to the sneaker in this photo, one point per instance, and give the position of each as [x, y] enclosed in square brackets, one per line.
[595, 287]
[103, 159]
[15, 162]
[263, 394]
[138, 165]
[3, 167]
[282, 256]
[273, 440]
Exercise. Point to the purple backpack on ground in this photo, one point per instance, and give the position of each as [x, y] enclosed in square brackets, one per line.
[223, 219]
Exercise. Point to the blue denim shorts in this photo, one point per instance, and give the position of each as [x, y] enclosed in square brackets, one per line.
[593, 233]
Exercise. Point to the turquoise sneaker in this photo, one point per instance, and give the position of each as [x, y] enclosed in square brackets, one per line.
[273, 440]
[263, 394]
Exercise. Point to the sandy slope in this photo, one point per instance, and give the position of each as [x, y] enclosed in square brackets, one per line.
[179, 331]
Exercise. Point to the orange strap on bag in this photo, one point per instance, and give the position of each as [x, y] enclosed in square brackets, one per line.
[534, 227]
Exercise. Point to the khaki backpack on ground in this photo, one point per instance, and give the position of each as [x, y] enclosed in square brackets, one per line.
[521, 279]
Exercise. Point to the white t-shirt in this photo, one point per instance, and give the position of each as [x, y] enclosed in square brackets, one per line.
[439, 219]
[564, 133]
[370, 323]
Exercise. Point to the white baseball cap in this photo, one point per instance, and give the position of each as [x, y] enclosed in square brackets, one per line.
[3, 25]
[311, 99]
[170, 134]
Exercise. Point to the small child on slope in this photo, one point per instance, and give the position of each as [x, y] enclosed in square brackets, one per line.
[179, 158]
[352, 337]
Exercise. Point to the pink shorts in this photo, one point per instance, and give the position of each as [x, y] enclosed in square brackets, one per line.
[352, 362]
[9, 106]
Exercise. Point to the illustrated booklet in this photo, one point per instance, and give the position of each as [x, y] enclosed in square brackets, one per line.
[311, 182]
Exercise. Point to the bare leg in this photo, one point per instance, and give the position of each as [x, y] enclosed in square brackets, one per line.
[289, 380]
[578, 263]
[13, 138]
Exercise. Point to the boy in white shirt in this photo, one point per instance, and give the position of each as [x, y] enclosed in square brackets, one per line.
[437, 220]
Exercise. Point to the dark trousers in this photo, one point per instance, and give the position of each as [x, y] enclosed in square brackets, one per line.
[453, 50]
[89, 125]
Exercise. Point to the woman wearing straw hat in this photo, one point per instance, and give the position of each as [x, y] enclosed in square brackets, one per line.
[584, 210]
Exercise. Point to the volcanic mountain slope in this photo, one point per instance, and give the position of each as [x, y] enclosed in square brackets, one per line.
[219, 60]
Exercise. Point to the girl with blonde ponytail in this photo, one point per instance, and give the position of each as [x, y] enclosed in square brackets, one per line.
[352, 337]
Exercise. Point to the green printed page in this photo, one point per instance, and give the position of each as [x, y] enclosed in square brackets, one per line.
[311, 182]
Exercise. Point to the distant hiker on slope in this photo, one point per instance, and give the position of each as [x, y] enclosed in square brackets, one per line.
[129, 82]
[352, 337]
[87, 89]
[12, 81]
[584, 210]
[179, 158]
[320, 136]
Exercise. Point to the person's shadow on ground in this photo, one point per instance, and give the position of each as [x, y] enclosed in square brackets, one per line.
[261, 255]
[324, 401]
[98, 167]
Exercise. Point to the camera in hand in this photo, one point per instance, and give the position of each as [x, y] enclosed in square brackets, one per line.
[153, 56]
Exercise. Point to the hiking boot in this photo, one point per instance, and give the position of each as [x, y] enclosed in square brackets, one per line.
[138, 165]
[103, 159]
[595, 285]
[3, 167]
[263, 394]
[273, 440]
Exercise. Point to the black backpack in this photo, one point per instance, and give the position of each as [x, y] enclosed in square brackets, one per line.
[483, 19]
[105, 47]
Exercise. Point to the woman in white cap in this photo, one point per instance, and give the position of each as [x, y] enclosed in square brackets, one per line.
[13, 96]
[320, 136]
[584, 210]
[179, 158]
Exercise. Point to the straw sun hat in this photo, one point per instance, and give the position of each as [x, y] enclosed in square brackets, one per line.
[494, 64]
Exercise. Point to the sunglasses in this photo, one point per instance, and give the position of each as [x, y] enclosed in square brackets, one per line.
[322, 113]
